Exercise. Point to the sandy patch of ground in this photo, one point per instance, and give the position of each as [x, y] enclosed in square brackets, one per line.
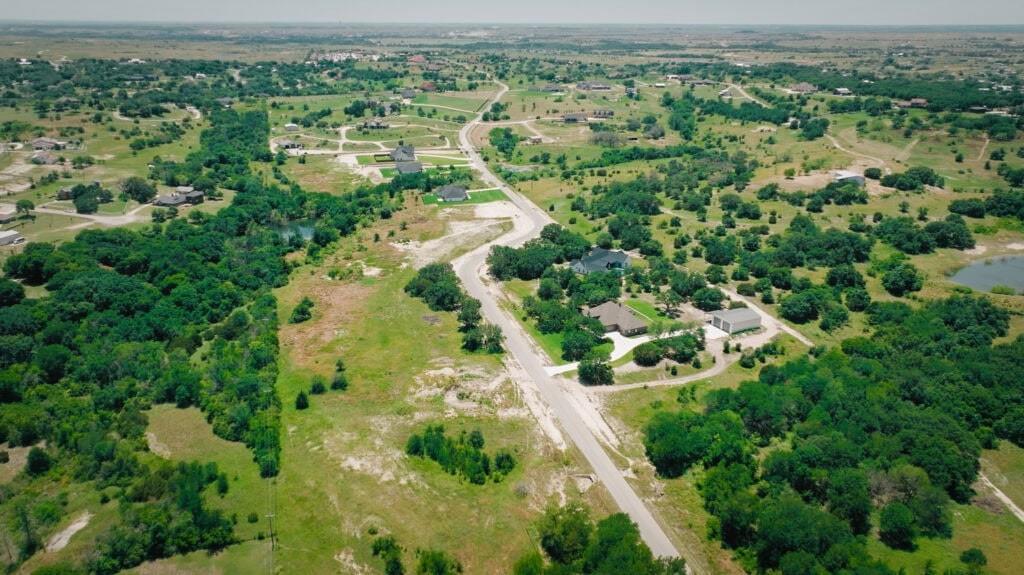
[335, 305]
[1015, 246]
[459, 235]
[61, 539]
[976, 250]
[16, 462]
[348, 562]
[156, 446]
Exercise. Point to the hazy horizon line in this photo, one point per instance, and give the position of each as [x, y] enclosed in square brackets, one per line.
[5, 21]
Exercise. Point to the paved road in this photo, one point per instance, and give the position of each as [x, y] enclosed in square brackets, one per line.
[471, 270]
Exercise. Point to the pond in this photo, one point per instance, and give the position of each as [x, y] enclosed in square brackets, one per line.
[983, 275]
[302, 228]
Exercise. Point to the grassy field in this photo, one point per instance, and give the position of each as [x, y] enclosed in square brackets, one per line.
[344, 475]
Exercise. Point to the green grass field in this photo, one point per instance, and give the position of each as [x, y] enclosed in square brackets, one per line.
[475, 197]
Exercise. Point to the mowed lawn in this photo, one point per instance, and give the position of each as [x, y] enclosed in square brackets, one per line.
[478, 197]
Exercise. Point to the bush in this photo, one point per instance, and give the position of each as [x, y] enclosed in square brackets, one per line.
[974, 557]
[301, 400]
[302, 312]
[595, 372]
[318, 386]
[39, 462]
[896, 526]
[873, 173]
[647, 354]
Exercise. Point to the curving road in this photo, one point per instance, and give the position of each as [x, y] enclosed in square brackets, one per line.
[471, 270]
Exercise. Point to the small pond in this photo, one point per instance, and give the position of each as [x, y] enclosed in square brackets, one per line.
[984, 274]
[302, 228]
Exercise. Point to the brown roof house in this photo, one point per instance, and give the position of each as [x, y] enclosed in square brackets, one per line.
[616, 317]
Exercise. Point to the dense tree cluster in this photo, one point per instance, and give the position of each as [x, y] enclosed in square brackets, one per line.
[573, 544]
[438, 286]
[914, 179]
[894, 422]
[463, 456]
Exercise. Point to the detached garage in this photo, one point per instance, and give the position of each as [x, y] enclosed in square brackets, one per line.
[735, 320]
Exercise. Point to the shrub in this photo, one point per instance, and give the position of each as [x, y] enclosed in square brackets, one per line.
[301, 400]
[595, 372]
[302, 312]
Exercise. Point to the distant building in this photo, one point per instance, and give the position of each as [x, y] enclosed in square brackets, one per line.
[11, 238]
[408, 94]
[289, 144]
[180, 196]
[409, 167]
[593, 86]
[428, 86]
[803, 88]
[452, 193]
[403, 153]
[226, 102]
[600, 260]
[47, 144]
[846, 176]
[536, 140]
[604, 113]
[64, 193]
[616, 317]
[291, 127]
[575, 118]
[842, 92]
[8, 213]
[552, 88]
[418, 59]
[375, 124]
[44, 159]
[912, 103]
[735, 320]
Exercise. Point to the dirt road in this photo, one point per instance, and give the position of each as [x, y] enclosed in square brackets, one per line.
[471, 269]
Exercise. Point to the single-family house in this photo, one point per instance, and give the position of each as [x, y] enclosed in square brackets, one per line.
[604, 113]
[291, 127]
[226, 102]
[536, 140]
[403, 153]
[593, 87]
[847, 176]
[375, 124]
[44, 159]
[600, 260]
[842, 92]
[452, 193]
[289, 144]
[64, 193]
[409, 167]
[552, 88]
[616, 317]
[170, 200]
[47, 144]
[803, 88]
[575, 118]
[408, 94]
[11, 238]
[735, 320]
[8, 213]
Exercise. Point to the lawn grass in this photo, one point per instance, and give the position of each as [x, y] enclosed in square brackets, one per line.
[477, 197]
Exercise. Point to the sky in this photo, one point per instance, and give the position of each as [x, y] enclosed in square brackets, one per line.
[743, 12]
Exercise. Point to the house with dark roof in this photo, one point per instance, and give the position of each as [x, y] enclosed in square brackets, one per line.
[403, 153]
[593, 86]
[289, 144]
[616, 317]
[452, 193]
[409, 167]
[600, 260]
[408, 94]
[575, 118]
[604, 113]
